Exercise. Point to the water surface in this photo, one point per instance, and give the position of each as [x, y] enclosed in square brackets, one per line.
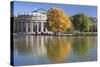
[30, 50]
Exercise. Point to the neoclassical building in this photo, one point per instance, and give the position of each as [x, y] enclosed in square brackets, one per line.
[35, 22]
[31, 23]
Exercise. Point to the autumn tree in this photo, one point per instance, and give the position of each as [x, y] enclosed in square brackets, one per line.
[57, 20]
[81, 22]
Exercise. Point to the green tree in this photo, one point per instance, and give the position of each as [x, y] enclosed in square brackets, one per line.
[57, 20]
[81, 22]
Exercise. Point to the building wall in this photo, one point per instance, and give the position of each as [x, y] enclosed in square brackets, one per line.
[30, 23]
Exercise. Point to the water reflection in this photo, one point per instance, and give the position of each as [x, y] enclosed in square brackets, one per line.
[81, 45]
[53, 49]
[57, 49]
[30, 45]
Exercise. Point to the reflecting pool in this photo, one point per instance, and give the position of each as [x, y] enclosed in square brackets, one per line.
[30, 50]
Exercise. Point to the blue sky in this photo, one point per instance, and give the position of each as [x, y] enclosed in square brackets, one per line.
[26, 7]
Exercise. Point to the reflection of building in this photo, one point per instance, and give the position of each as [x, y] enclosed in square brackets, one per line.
[33, 23]
[31, 45]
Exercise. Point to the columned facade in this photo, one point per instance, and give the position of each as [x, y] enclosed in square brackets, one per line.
[32, 23]
[36, 27]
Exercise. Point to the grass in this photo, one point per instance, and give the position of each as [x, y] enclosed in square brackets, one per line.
[86, 33]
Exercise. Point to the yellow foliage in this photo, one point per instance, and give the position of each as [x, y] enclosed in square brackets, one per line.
[57, 20]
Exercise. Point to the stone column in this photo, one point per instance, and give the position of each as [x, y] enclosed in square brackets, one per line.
[34, 25]
[46, 29]
[37, 27]
[42, 26]
[14, 27]
[17, 27]
[31, 27]
[26, 27]
[21, 26]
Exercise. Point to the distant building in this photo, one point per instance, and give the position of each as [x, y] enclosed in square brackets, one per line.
[31, 23]
[93, 24]
[93, 19]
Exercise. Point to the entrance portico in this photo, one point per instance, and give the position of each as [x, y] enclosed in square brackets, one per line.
[31, 23]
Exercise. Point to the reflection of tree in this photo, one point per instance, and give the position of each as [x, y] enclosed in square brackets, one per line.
[57, 48]
[81, 45]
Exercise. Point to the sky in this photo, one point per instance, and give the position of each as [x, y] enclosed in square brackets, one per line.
[20, 7]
